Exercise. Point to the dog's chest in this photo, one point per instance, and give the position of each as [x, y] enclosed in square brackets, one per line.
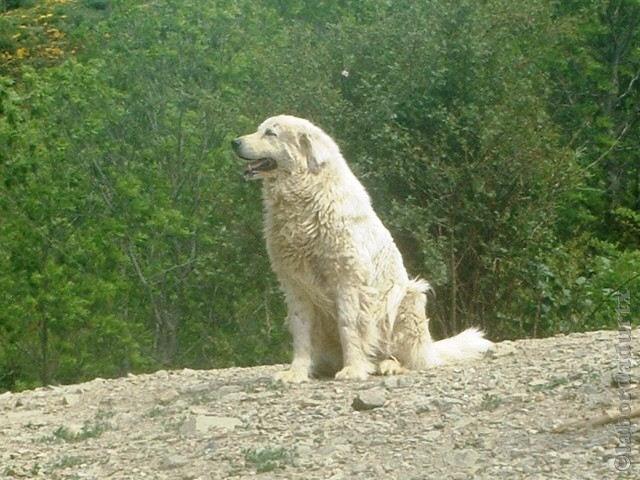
[302, 239]
[298, 234]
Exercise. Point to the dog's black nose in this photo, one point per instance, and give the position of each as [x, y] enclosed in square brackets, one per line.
[235, 143]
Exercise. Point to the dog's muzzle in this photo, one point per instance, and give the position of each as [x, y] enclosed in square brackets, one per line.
[254, 167]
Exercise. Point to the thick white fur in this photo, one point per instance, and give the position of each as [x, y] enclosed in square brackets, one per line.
[352, 308]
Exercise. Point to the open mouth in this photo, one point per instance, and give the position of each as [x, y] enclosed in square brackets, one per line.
[262, 165]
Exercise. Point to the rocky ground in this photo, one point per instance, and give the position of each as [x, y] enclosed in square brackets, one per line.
[541, 409]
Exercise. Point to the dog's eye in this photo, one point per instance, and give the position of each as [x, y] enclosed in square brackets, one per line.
[270, 132]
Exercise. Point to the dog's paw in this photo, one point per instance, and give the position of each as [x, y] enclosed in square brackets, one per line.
[391, 366]
[292, 376]
[352, 373]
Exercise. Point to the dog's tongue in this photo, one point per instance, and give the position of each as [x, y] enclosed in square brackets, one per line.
[264, 164]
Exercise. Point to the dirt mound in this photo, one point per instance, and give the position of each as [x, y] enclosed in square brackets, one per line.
[563, 407]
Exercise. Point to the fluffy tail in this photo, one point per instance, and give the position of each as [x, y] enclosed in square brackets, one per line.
[467, 345]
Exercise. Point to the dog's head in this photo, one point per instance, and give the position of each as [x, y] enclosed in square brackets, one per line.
[284, 145]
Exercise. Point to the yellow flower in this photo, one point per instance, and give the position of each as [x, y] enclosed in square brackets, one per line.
[55, 34]
[52, 52]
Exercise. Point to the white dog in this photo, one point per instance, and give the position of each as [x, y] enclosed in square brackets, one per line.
[352, 308]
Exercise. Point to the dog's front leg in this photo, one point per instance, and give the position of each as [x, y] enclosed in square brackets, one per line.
[354, 336]
[300, 327]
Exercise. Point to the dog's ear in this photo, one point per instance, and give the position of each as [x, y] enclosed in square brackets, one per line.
[315, 150]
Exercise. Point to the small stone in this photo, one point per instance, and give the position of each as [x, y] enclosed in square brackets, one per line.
[326, 450]
[205, 423]
[304, 450]
[459, 476]
[70, 430]
[228, 389]
[211, 447]
[338, 475]
[358, 468]
[369, 399]
[172, 461]
[432, 435]
[398, 381]
[6, 396]
[537, 383]
[503, 349]
[446, 403]
[161, 375]
[466, 459]
[168, 396]
[71, 399]
[391, 382]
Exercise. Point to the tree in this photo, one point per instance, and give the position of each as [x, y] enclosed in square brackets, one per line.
[597, 102]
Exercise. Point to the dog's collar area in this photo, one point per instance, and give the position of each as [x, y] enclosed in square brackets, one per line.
[262, 165]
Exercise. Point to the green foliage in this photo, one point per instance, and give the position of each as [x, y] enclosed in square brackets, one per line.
[497, 140]
[269, 459]
[89, 430]
[490, 402]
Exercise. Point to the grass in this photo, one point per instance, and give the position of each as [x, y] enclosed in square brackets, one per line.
[201, 399]
[69, 462]
[154, 412]
[490, 402]
[551, 384]
[269, 459]
[89, 429]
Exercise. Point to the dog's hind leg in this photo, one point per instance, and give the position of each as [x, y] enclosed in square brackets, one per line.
[410, 337]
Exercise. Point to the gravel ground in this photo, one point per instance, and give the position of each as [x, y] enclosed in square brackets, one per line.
[535, 409]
